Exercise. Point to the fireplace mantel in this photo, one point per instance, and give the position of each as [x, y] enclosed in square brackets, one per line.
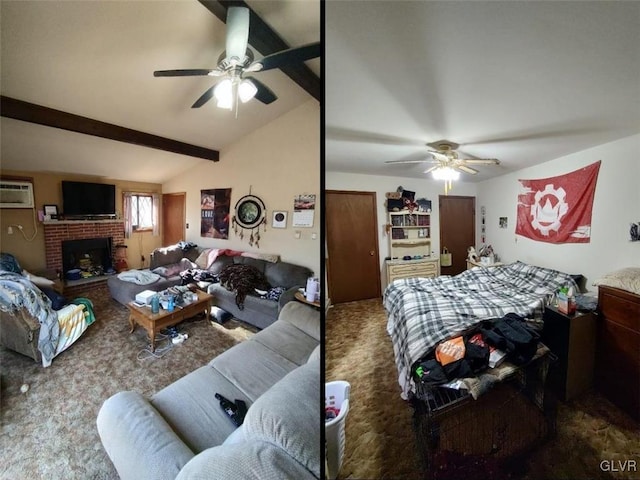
[75, 222]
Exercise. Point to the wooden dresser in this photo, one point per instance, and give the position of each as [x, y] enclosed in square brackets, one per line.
[427, 268]
[617, 374]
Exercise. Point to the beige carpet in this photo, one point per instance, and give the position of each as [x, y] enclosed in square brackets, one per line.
[380, 441]
[50, 432]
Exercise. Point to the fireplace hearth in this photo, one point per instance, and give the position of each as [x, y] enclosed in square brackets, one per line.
[91, 256]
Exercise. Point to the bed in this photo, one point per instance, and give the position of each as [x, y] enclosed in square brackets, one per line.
[423, 312]
[455, 426]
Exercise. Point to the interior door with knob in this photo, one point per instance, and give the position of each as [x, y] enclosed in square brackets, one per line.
[353, 261]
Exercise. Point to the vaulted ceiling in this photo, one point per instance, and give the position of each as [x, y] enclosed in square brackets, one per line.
[524, 82]
[96, 60]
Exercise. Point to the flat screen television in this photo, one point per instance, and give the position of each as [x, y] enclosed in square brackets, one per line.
[88, 199]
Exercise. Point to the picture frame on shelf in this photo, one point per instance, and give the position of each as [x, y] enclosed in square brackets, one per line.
[50, 212]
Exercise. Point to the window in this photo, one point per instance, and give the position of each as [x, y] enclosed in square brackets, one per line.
[141, 212]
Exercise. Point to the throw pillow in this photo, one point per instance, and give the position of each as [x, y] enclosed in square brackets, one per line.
[203, 259]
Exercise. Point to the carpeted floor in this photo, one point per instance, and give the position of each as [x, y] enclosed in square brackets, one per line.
[50, 432]
[380, 442]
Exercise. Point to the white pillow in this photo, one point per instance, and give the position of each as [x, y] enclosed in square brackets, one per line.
[626, 279]
[38, 281]
[203, 259]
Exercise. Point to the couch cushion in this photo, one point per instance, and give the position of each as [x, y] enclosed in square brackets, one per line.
[283, 274]
[190, 407]
[166, 256]
[302, 316]
[287, 416]
[288, 341]
[252, 367]
[138, 440]
[219, 263]
[249, 461]
[254, 262]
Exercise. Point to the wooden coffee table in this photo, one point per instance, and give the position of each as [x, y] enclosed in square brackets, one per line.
[154, 322]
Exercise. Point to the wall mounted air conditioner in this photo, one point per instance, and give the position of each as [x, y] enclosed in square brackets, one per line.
[16, 194]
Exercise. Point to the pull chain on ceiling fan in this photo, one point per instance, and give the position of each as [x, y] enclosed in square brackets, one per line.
[448, 164]
[236, 61]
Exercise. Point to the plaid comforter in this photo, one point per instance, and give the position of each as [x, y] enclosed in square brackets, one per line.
[423, 312]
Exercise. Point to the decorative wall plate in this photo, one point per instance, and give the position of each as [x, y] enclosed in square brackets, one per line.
[250, 211]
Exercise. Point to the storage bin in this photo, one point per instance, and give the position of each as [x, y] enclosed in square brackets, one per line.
[336, 395]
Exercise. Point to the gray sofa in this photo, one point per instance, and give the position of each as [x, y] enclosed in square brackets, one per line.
[181, 432]
[257, 311]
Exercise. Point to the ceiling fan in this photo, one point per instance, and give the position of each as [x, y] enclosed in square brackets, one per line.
[446, 159]
[237, 60]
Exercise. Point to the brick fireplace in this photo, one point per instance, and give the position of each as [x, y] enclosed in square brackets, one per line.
[55, 233]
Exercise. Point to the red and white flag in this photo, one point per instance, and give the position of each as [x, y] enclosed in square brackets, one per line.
[558, 209]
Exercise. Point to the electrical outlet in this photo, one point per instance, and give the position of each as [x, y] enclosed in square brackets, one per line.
[10, 230]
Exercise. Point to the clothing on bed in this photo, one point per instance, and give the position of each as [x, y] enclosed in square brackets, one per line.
[424, 312]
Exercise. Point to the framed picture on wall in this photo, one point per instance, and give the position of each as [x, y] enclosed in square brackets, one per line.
[279, 219]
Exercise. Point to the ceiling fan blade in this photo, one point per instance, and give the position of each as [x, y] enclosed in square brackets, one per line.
[424, 160]
[237, 33]
[439, 156]
[286, 57]
[264, 93]
[204, 98]
[466, 169]
[429, 170]
[195, 72]
[481, 161]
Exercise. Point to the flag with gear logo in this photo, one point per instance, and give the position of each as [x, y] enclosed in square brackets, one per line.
[558, 209]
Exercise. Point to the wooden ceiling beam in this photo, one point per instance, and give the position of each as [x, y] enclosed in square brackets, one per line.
[264, 39]
[30, 112]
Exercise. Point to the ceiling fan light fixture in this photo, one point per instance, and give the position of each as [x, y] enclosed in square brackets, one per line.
[223, 93]
[247, 90]
[445, 173]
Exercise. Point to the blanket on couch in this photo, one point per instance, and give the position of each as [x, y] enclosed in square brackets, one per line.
[243, 279]
[17, 291]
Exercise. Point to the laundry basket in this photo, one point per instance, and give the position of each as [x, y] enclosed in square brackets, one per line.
[336, 395]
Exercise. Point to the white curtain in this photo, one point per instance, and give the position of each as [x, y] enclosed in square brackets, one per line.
[154, 214]
[128, 223]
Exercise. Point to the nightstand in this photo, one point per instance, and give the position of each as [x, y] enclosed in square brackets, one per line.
[572, 338]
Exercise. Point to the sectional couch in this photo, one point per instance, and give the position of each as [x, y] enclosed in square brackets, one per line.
[181, 432]
[257, 311]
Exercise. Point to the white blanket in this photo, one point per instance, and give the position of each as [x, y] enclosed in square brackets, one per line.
[141, 277]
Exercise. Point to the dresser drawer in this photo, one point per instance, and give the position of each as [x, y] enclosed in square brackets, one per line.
[426, 269]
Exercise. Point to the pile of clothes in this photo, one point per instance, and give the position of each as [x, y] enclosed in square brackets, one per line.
[508, 338]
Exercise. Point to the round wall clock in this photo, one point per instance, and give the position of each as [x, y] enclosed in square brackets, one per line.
[250, 211]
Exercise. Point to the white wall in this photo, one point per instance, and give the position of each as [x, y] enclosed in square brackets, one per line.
[424, 188]
[277, 162]
[616, 205]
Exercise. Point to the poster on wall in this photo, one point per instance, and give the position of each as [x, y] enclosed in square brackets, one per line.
[558, 209]
[214, 212]
[303, 210]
